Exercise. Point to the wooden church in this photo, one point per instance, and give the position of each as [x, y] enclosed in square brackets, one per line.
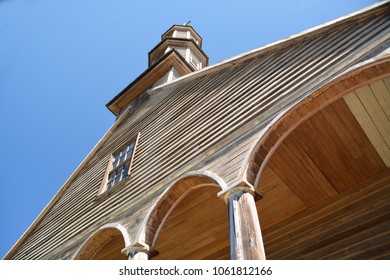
[279, 153]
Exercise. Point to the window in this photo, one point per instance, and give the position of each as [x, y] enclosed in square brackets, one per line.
[194, 60]
[181, 34]
[119, 166]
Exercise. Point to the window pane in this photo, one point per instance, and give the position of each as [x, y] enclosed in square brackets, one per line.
[126, 167]
[129, 153]
[117, 180]
[122, 158]
[121, 170]
[115, 163]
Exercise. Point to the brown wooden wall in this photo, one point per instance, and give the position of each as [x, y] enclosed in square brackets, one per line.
[352, 225]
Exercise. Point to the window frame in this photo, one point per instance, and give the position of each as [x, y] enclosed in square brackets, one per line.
[195, 61]
[120, 166]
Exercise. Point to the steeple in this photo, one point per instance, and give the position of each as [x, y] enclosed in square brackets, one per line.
[178, 53]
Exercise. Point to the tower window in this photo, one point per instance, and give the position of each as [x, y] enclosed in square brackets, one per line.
[194, 60]
[119, 167]
[181, 34]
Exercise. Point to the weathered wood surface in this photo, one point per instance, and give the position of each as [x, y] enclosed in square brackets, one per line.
[371, 107]
[185, 123]
[196, 229]
[246, 242]
[352, 225]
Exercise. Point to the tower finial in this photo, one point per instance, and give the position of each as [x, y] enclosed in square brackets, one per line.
[187, 23]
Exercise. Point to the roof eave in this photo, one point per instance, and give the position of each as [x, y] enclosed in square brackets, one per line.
[172, 55]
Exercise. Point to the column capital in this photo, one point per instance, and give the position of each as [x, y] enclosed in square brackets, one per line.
[139, 247]
[242, 186]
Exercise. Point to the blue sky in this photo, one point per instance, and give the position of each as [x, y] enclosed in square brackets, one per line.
[62, 61]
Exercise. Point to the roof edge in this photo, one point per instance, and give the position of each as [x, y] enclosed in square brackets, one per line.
[190, 26]
[143, 74]
[287, 40]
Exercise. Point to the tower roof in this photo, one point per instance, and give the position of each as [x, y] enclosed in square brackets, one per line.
[178, 53]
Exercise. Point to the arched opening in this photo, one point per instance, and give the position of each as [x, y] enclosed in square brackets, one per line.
[107, 244]
[197, 228]
[326, 183]
[190, 221]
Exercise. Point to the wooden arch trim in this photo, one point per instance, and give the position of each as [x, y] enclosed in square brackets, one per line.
[274, 134]
[99, 239]
[170, 198]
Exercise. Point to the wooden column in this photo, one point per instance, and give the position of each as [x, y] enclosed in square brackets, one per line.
[246, 242]
[138, 255]
[139, 251]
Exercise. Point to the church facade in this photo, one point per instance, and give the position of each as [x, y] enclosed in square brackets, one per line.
[279, 153]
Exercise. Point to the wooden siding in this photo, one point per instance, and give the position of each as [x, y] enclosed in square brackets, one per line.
[183, 123]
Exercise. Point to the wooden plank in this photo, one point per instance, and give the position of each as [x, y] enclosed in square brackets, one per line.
[331, 231]
[369, 127]
[382, 94]
[355, 140]
[287, 164]
[274, 190]
[362, 242]
[339, 147]
[318, 233]
[112, 250]
[338, 221]
[387, 83]
[328, 207]
[339, 249]
[193, 230]
[375, 111]
[377, 247]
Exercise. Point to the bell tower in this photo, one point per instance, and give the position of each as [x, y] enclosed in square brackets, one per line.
[178, 53]
[186, 41]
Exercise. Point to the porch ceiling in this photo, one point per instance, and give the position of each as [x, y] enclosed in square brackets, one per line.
[343, 146]
[325, 188]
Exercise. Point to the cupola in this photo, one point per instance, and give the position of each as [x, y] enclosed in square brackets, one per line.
[179, 53]
[186, 41]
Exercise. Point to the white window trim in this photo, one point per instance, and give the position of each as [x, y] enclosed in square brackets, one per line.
[188, 53]
[170, 75]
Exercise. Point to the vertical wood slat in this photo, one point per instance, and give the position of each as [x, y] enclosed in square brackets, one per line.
[374, 109]
[375, 130]
[382, 94]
